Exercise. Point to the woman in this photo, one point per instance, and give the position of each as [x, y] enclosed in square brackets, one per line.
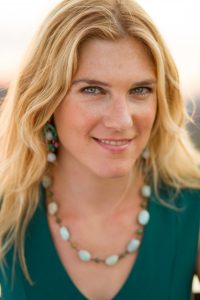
[93, 150]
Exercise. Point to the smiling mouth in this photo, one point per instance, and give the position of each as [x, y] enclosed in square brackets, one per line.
[111, 142]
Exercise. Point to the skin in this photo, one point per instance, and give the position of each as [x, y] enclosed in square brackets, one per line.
[120, 107]
[97, 185]
[112, 97]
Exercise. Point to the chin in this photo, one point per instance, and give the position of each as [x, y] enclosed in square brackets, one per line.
[116, 172]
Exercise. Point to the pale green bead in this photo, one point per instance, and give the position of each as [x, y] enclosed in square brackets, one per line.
[51, 157]
[46, 181]
[143, 217]
[146, 191]
[49, 136]
[133, 245]
[145, 154]
[64, 232]
[84, 255]
[112, 260]
[52, 208]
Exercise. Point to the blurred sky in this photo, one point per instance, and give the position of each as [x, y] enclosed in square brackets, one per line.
[178, 21]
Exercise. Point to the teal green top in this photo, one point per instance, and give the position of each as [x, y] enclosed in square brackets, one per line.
[163, 269]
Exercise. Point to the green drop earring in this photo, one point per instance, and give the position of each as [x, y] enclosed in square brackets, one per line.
[51, 137]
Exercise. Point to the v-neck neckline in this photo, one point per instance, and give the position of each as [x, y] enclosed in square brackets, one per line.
[62, 270]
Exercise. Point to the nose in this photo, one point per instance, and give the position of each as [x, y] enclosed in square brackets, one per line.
[118, 116]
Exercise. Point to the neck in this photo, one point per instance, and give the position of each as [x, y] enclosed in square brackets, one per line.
[81, 193]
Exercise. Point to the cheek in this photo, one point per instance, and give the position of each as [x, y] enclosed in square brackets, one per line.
[145, 118]
[73, 120]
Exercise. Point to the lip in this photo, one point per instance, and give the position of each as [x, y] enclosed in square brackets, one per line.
[114, 148]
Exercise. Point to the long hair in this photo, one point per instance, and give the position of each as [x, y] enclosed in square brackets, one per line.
[43, 81]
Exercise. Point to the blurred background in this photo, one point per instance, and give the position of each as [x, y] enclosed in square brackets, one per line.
[178, 21]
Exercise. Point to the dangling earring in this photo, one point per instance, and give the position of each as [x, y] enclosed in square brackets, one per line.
[145, 154]
[51, 137]
[145, 161]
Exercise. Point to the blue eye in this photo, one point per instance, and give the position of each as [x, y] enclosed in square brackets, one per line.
[92, 90]
[141, 91]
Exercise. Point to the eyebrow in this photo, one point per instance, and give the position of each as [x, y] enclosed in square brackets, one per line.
[90, 81]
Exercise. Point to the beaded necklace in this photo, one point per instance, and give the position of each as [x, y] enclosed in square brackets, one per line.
[85, 255]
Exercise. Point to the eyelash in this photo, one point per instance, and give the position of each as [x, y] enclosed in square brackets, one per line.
[140, 91]
[84, 90]
[145, 90]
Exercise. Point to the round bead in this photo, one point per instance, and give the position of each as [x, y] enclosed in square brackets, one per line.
[46, 181]
[64, 232]
[56, 145]
[133, 245]
[139, 231]
[146, 191]
[49, 136]
[84, 255]
[112, 260]
[51, 157]
[143, 217]
[52, 208]
[145, 154]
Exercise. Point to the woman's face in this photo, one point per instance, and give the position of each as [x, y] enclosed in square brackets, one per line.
[105, 120]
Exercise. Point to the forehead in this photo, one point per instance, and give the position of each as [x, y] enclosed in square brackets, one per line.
[123, 58]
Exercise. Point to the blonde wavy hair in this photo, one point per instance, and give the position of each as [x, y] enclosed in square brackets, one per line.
[43, 81]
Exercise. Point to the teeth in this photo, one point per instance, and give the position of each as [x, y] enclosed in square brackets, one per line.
[114, 143]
